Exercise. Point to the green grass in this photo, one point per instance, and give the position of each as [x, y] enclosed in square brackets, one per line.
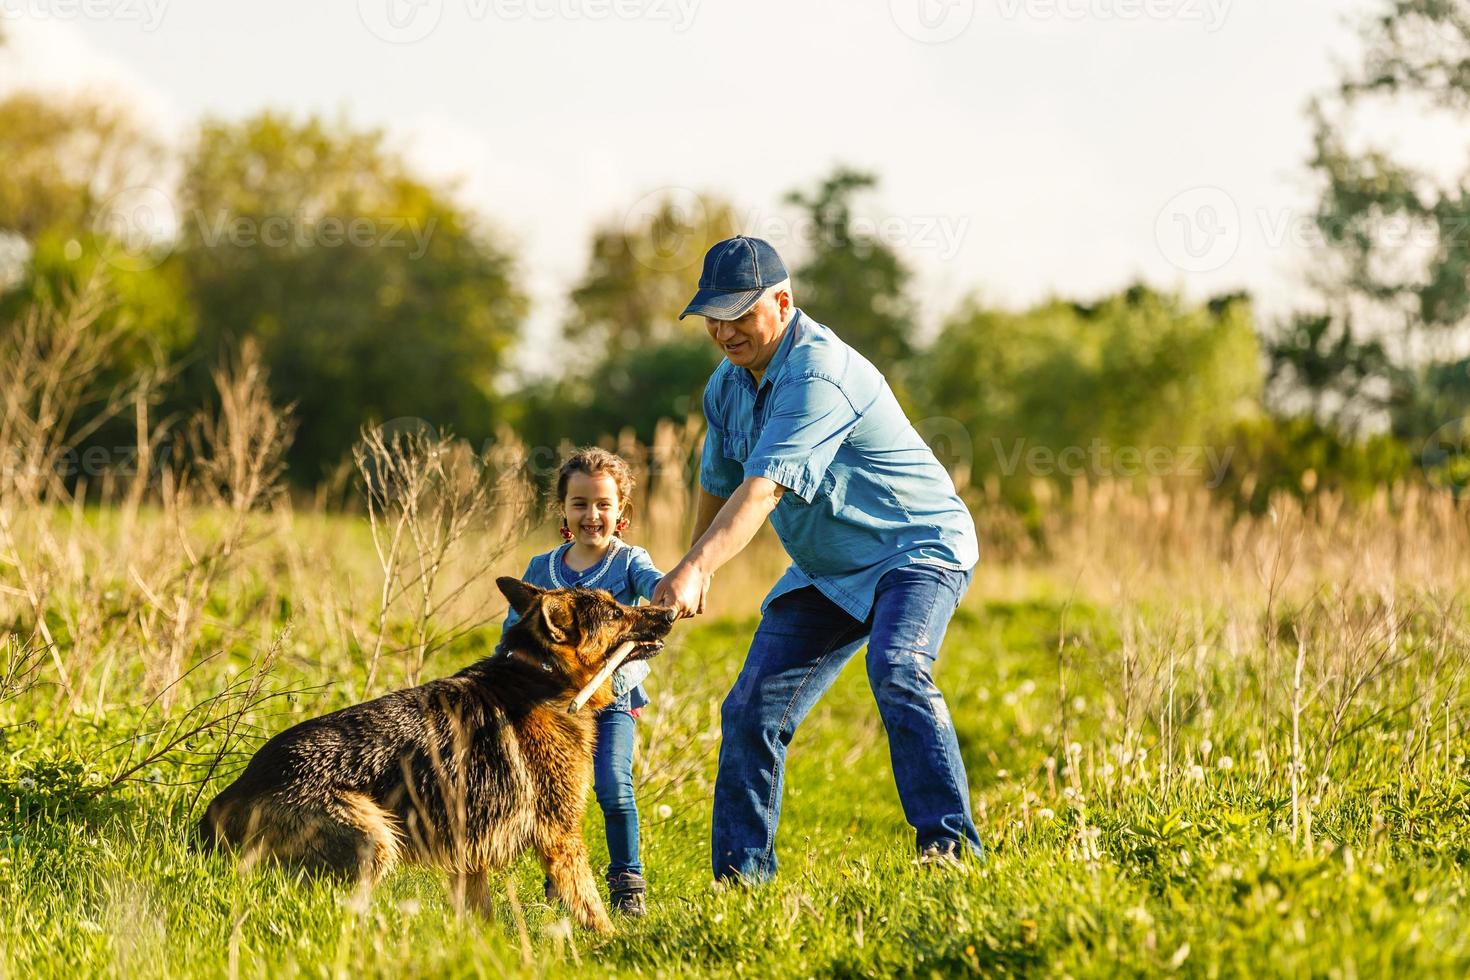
[1135, 870]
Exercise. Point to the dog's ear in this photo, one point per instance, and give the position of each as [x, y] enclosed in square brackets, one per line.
[559, 617]
[517, 593]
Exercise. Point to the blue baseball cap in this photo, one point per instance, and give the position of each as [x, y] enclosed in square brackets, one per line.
[736, 272]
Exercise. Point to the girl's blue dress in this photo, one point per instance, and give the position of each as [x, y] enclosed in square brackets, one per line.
[629, 574]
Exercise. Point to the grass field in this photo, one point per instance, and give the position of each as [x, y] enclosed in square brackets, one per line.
[1242, 755]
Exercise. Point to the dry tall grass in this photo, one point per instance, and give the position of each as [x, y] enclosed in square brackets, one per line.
[174, 583]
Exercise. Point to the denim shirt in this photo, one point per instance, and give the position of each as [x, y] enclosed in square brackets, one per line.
[628, 573]
[865, 494]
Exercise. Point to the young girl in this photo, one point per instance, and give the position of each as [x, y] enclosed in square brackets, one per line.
[594, 489]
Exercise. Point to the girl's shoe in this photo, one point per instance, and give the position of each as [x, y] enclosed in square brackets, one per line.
[626, 890]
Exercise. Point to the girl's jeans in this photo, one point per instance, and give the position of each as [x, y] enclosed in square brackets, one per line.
[803, 642]
[612, 781]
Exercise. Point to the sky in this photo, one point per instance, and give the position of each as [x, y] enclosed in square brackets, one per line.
[1026, 148]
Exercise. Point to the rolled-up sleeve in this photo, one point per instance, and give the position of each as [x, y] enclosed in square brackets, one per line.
[809, 419]
[719, 474]
[643, 574]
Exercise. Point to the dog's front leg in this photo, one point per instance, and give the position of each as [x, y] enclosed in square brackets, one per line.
[564, 856]
[470, 891]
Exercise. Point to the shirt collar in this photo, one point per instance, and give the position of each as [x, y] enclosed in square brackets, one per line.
[777, 359]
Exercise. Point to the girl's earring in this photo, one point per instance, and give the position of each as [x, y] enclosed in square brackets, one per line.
[566, 532]
[622, 525]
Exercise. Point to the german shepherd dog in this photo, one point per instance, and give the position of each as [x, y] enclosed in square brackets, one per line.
[463, 773]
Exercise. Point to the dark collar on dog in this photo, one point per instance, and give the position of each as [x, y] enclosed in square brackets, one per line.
[526, 657]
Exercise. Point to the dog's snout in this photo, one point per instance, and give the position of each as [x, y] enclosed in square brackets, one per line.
[667, 614]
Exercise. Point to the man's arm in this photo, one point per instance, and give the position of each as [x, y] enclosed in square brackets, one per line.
[718, 539]
[707, 507]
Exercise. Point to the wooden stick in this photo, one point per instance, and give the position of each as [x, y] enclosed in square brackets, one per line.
[613, 663]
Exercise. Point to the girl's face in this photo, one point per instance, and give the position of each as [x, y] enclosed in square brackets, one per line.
[592, 508]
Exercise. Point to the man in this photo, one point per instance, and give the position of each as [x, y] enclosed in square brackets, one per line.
[804, 431]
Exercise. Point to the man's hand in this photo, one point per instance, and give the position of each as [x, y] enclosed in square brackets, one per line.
[684, 588]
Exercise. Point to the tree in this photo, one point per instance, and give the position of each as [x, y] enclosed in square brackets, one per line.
[639, 363]
[67, 161]
[371, 294]
[79, 174]
[852, 280]
[1138, 370]
[642, 269]
[1317, 365]
[1397, 256]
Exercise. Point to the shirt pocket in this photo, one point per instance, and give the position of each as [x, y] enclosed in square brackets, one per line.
[737, 445]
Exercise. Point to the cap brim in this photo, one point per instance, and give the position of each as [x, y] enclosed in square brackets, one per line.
[718, 304]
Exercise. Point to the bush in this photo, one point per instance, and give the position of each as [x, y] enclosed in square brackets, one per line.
[1136, 373]
[1299, 455]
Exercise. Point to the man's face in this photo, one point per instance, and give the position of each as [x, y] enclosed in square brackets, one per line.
[751, 341]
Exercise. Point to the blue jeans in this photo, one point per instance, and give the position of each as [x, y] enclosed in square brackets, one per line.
[612, 781]
[803, 642]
